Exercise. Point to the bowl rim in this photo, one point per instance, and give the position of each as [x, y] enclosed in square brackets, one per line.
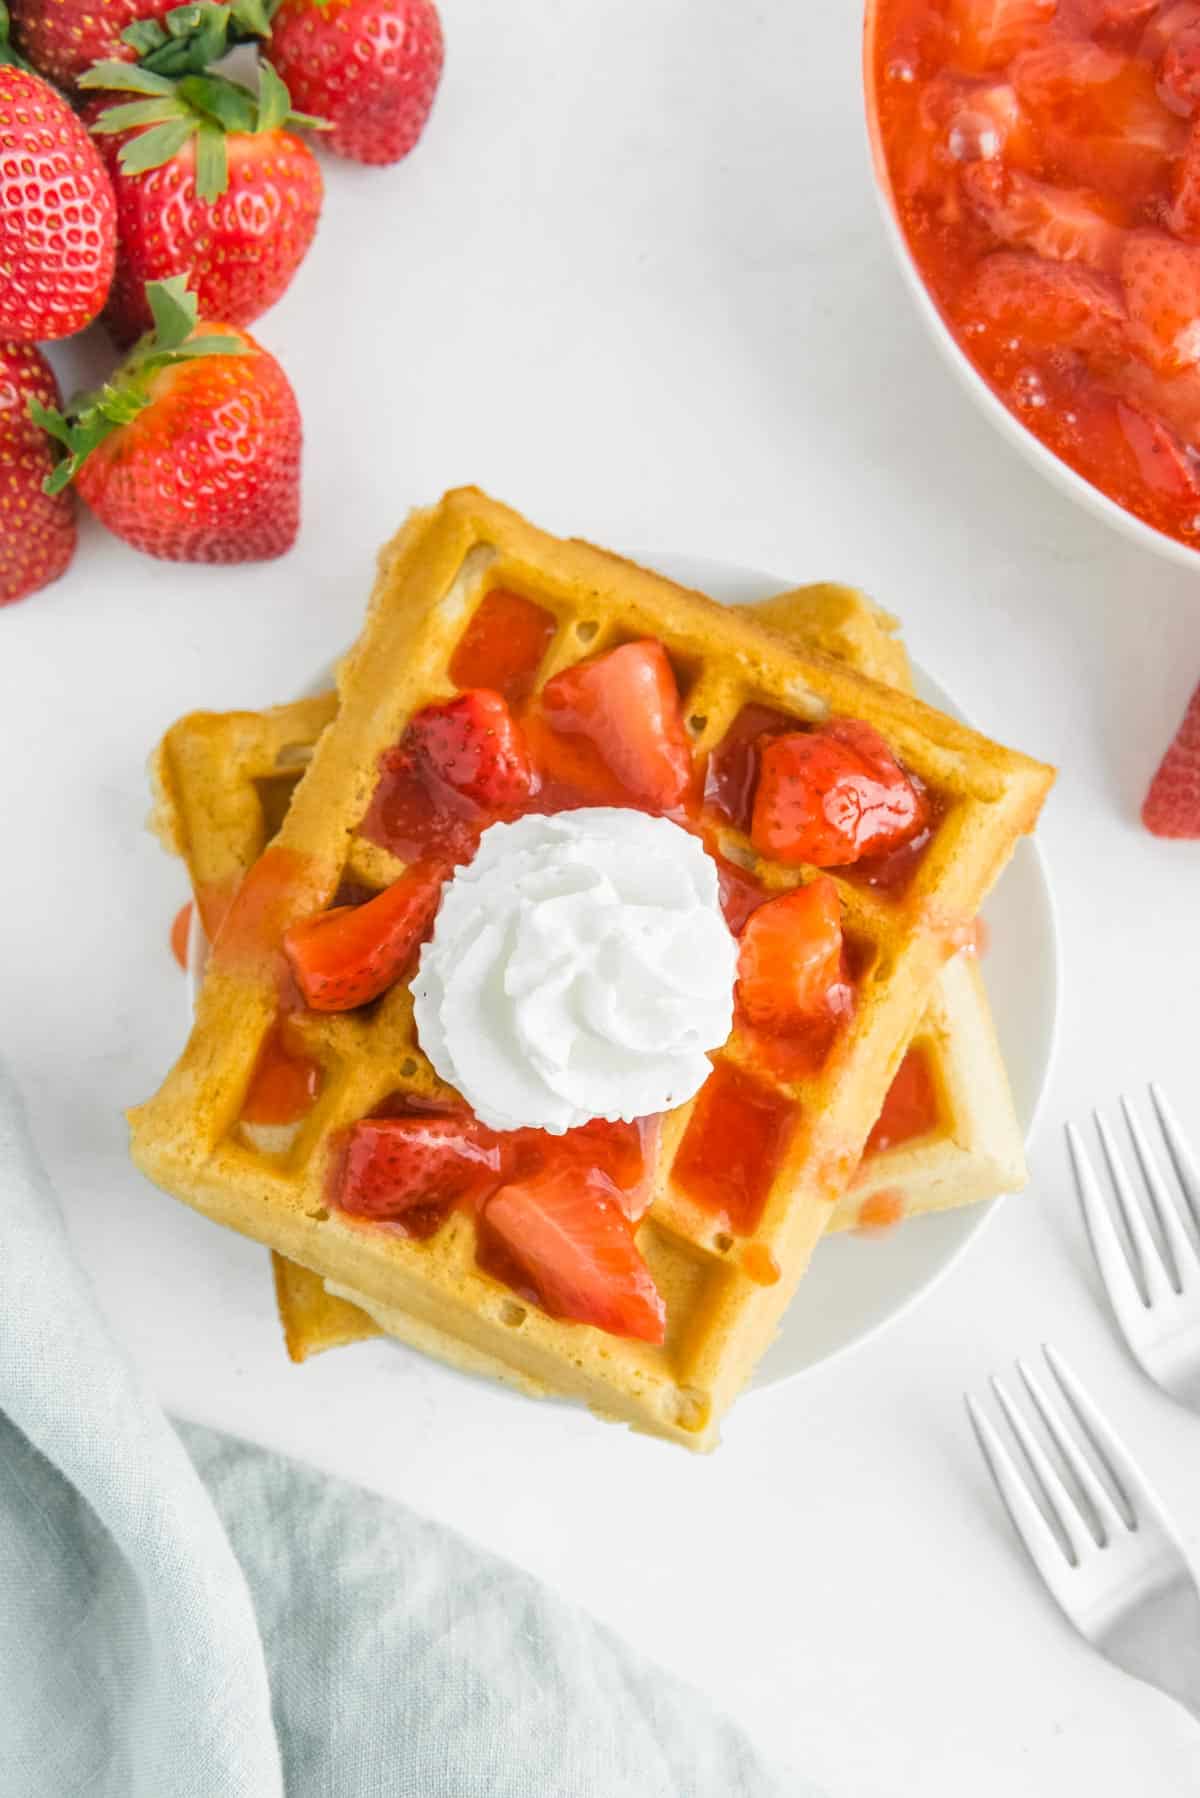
[1060, 473]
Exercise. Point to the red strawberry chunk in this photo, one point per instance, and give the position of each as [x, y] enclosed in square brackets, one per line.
[474, 746]
[1015, 298]
[1114, 15]
[347, 956]
[1162, 292]
[831, 795]
[1183, 216]
[1163, 462]
[571, 1248]
[1098, 116]
[1063, 224]
[790, 956]
[1179, 71]
[396, 1167]
[1172, 807]
[625, 706]
[987, 34]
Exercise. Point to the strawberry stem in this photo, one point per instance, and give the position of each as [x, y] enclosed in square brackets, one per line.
[91, 417]
[174, 110]
[190, 38]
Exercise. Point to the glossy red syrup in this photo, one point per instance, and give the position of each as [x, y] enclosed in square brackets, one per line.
[1045, 166]
[254, 922]
[180, 930]
[911, 1108]
[732, 772]
[732, 1146]
[881, 1212]
[285, 1082]
[760, 1265]
[503, 645]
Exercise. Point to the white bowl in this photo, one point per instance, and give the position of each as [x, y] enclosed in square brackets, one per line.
[1032, 448]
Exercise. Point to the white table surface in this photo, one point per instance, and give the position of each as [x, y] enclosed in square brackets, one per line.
[633, 281]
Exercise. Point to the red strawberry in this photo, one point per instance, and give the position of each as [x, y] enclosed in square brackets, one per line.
[1044, 305]
[348, 956]
[625, 707]
[1152, 454]
[1183, 217]
[1162, 293]
[371, 67]
[987, 34]
[192, 449]
[1062, 224]
[235, 213]
[62, 41]
[37, 530]
[1172, 807]
[575, 1248]
[1114, 15]
[830, 795]
[1099, 117]
[473, 745]
[397, 1166]
[57, 217]
[1179, 71]
[791, 956]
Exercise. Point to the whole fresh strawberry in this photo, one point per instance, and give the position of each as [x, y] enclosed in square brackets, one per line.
[208, 184]
[63, 40]
[37, 529]
[370, 67]
[57, 217]
[192, 450]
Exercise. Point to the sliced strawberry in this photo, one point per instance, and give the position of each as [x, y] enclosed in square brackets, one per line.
[1172, 807]
[1161, 279]
[344, 957]
[473, 745]
[791, 956]
[1183, 216]
[1179, 71]
[1165, 464]
[830, 795]
[625, 707]
[1063, 224]
[572, 1249]
[1044, 305]
[1114, 15]
[396, 1166]
[987, 34]
[1098, 116]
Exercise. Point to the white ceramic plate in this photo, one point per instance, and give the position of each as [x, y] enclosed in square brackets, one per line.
[856, 1285]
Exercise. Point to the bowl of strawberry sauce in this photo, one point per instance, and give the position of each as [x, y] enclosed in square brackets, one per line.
[1039, 165]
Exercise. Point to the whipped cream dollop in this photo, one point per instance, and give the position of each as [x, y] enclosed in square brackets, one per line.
[580, 967]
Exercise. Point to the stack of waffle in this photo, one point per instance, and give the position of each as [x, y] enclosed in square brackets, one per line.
[266, 810]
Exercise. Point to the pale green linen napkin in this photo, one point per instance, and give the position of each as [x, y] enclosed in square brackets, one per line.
[223, 1623]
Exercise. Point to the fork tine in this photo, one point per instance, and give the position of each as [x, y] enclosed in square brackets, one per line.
[1155, 1283]
[1062, 1505]
[1138, 1497]
[1181, 1153]
[1043, 1546]
[1111, 1259]
[1179, 1245]
[1108, 1518]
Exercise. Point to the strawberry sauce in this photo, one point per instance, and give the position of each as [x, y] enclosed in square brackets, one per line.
[912, 1107]
[285, 1082]
[503, 645]
[1044, 163]
[732, 1146]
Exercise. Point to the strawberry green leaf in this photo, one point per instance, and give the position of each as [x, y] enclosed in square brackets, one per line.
[174, 310]
[135, 112]
[223, 102]
[274, 101]
[150, 149]
[212, 163]
[125, 78]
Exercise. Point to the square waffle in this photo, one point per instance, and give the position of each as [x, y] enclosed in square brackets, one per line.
[724, 1290]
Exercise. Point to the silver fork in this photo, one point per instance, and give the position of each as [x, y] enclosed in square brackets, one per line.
[1154, 1288]
[1110, 1558]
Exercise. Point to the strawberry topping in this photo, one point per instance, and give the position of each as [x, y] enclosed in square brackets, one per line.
[413, 1169]
[791, 956]
[349, 955]
[1172, 807]
[614, 729]
[831, 795]
[570, 1248]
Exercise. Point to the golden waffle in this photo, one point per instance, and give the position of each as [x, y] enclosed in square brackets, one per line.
[720, 1315]
[223, 785]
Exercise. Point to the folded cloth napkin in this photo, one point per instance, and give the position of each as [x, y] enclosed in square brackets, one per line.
[198, 1618]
